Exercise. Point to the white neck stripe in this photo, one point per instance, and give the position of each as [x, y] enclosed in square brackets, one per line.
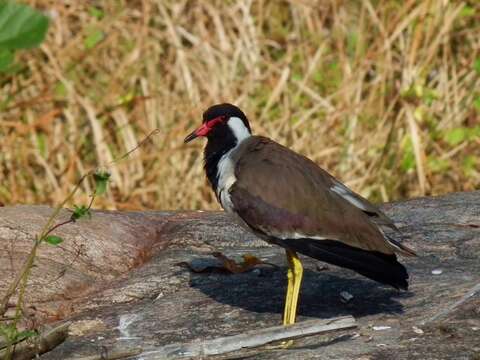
[240, 131]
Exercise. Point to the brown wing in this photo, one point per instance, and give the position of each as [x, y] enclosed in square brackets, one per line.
[285, 195]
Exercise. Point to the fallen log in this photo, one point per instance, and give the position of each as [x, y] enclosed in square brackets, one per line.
[115, 277]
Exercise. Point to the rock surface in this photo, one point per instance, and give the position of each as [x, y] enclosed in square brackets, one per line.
[117, 278]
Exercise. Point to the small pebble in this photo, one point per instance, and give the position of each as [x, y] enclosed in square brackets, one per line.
[417, 330]
[475, 328]
[380, 328]
[322, 267]
[345, 296]
[437, 271]
[381, 345]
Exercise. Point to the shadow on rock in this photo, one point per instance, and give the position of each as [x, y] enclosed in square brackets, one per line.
[263, 291]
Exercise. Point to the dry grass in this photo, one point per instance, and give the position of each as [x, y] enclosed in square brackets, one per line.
[384, 94]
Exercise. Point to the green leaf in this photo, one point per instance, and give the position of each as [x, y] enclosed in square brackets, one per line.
[438, 165]
[469, 165]
[21, 26]
[9, 331]
[96, 12]
[476, 65]
[80, 212]
[474, 132]
[297, 76]
[408, 159]
[456, 136]
[6, 59]
[127, 98]
[14, 68]
[418, 114]
[101, 187]
[93, 38]
[429, 96]
[467, 11]
[101, 180]
[60, 90]
[42, 144]
[476, 104]
[25, 334]
[53, 240]
[352, 42]
[317, 77]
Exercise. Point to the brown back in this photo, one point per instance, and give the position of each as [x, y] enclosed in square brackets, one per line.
[279, 193]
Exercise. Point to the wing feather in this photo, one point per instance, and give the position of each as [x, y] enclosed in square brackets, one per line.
[282, 194]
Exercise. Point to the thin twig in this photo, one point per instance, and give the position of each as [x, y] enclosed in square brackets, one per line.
[30, 259]
[140, 144]
[58, 225]
[21, 280]
[249, 339]
[452, 307]
[48, 228]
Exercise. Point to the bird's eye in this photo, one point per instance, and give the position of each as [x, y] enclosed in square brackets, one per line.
[215, 121]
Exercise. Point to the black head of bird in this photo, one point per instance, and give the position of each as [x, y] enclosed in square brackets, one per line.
[288, 200]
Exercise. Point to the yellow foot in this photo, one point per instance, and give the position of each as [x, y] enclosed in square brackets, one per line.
[286, 344]
[294, 275]
[283, 345]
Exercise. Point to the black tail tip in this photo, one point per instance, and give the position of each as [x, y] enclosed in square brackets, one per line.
[402, 284]
[385, 269]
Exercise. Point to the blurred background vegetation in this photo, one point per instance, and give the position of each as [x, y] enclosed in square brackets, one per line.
[383, 94]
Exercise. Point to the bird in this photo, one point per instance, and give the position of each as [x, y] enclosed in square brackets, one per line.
[287, 200]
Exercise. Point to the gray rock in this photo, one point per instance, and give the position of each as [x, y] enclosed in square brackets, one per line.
[119, 273]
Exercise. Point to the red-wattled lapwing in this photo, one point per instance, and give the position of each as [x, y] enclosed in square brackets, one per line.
[286, 199]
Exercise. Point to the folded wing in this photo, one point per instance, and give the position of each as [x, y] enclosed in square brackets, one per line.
[281, 194]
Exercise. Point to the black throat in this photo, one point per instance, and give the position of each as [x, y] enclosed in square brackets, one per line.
[219, 143]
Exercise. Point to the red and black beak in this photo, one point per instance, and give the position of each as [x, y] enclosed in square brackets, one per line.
[201, 131]
[190, 137]
[204, 129]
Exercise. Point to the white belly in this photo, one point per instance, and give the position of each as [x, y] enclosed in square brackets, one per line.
[226, 178]
[226, 166]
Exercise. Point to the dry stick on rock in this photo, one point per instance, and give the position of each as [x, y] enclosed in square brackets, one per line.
[112, 355]
[249, 339]
[445, 312]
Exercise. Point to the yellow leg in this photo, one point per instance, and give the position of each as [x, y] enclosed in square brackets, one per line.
[295, 275]
[288, 298]
[298, 276]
